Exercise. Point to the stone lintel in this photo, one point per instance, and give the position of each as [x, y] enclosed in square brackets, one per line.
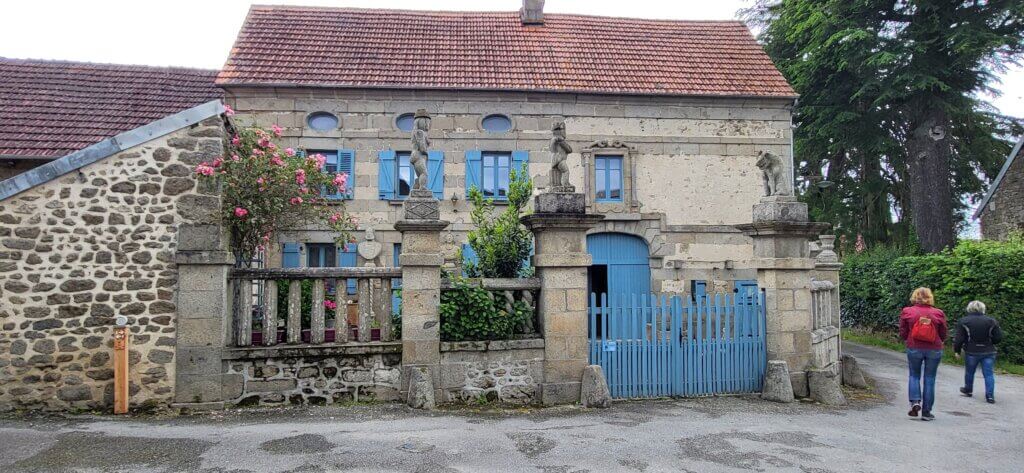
[421, 225]
[783, 229]
[565, 260]
[204, 258]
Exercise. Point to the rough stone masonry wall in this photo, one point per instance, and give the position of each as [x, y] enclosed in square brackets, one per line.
[314, 378]
[85, 247]
[509, 371]
[1005, 211]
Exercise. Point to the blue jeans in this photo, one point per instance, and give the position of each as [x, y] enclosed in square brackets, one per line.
[923, 362]
[988, 363]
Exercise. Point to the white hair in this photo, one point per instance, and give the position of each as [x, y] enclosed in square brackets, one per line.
[976, 307]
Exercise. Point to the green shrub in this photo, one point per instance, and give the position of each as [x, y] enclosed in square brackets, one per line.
[469, 312]
[500, 241]
[877, 284]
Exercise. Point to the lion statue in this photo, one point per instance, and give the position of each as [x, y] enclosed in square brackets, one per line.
[773, 171]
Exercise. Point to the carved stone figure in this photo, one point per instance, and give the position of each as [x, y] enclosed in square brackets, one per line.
[420, 145]
[560, 150]
[773, 171]
[369, 249]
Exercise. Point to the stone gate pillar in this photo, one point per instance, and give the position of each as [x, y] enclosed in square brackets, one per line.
[421, 261]
[781, 231]
[559, 224]
[203, 262]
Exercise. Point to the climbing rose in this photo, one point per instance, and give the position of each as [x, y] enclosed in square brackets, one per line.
[300, 176]
[276, 129]
[340, 181]
[319, 159]
[296, 200]
[329, 304]
[240, 212]
[334, 217]
[228, 110]
[204, 169]
[276, 161]
[289, 152]
[236, 140]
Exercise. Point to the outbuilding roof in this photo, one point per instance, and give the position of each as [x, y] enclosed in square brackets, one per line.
[373, 48]
[49, 109]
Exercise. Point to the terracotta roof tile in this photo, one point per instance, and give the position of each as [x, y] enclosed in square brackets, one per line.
[344, 47]
[53, 108]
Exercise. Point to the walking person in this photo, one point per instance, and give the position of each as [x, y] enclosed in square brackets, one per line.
[923, 328]
[977, 335]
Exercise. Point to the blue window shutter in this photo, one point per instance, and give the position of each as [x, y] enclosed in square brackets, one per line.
[435, 171]
[468, 255]
[519, 158]
[386, 174]
[473, 163]
[347, 165]
[347, 259]
[300, 153]
[698, 288]
[290, 255]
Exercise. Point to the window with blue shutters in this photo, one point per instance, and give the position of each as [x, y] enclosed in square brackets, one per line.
[338, 161]
[396, 174]
[327, 255]
[608, 178]
[491, 171]
[290, 255]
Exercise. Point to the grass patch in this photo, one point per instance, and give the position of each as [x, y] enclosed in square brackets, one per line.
[891, 341]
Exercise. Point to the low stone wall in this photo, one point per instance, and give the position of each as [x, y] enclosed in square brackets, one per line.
[317, 376]
[509, 371]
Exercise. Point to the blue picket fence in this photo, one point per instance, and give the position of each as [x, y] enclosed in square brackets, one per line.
[654, 345]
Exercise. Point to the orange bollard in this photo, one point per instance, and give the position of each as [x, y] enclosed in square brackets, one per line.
[121, 367]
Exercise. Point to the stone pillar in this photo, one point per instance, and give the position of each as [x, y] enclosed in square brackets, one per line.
[826, 268]
[421, 261]
[559, 224]
[781, 230]
[203, 318]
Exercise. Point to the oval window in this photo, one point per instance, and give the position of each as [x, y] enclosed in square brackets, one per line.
[404, 121]
[322, 121]
[497, 123]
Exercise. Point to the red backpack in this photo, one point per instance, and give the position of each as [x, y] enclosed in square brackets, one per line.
[924, 331]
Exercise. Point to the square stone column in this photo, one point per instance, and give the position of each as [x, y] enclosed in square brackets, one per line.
[559, 226]
[203, 318]
[421, 261]
[781, 231]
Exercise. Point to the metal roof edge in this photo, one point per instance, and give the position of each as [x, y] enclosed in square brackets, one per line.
[108, 147]
[999, 178]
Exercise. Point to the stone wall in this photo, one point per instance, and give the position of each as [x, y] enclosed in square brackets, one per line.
[509, 372]
[314, 376]
[1004, 213]
[85, 247]
[695, 159]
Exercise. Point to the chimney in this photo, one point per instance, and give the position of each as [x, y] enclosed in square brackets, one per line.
[532, 12]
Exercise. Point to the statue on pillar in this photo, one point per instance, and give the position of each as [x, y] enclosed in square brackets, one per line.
[420, 146]
[775, 174]
[560, 150]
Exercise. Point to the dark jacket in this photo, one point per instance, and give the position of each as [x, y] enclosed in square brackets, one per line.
[977, 334]
[909, 317]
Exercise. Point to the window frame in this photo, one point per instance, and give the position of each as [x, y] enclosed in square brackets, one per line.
[496, 174]
[628, 203]
[607, 160]
[398, 174]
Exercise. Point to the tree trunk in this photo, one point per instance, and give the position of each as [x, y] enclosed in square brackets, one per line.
[931, 193]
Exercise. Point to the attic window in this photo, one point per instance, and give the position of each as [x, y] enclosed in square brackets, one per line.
[404, 121]
[496, 123]
[322, 121]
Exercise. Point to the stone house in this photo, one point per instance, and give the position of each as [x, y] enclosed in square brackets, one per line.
[50, 109]
[1002, 209]
[665, 118]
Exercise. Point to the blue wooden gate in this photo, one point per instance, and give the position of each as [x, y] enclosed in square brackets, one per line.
[654, 345]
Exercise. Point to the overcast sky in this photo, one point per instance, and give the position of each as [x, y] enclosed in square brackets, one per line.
[199, 33]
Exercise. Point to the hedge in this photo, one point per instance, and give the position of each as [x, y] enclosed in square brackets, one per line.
[876, 285]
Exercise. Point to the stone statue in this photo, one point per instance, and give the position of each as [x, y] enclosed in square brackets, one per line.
[560, 150]
[420, 145]
[369, 249]
[773, 171]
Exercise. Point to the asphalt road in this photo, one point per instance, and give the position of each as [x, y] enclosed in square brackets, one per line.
[696, 435]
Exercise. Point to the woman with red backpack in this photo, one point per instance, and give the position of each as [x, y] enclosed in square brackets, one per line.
[923, 328]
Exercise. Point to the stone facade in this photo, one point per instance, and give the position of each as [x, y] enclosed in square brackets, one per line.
[80, 249]
[694, 159]
[1004, 213]
[326, 377]
[509, 372]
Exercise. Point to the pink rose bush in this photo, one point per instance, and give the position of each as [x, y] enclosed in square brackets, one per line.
[265, 187]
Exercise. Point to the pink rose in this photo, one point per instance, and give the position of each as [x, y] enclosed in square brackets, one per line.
[341, 182]
[263, 142]
[300, 176]
[228, 110]
[204, 170]
[217, 162]
[319, 159]
[329, 304]
[234, 157]
[296, 200]
[334, 218]
[289, 152]
[276, 129]
[236, 140]
[240, 212]
[257, 152]
[277, 161]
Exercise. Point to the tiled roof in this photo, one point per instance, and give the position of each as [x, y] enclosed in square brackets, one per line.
[53, 108]
[344, 47]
